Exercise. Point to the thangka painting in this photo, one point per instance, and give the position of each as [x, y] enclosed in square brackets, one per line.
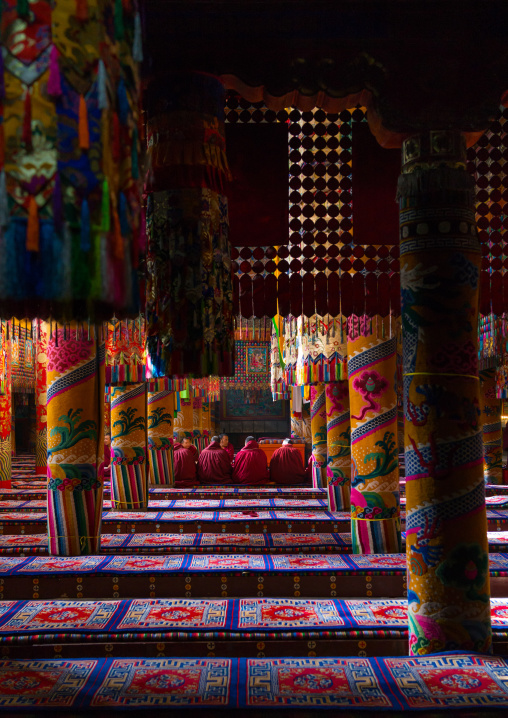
[252, 366]
[257, 360]
[234, 406]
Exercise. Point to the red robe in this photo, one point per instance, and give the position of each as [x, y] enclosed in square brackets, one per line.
[214, 465]
[286, 466]
[185, 467]
[250, 465]
[231, 451]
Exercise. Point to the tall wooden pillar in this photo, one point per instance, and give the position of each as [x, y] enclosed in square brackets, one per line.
[375, 513]
[75, 378]
[446, 528]
[491, 428]
[129, 471]
[338, 430]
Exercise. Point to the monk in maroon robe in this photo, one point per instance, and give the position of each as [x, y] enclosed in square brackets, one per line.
[184, 464]
[286, 465]
[214, 465]
[227, 446]
[251, 466]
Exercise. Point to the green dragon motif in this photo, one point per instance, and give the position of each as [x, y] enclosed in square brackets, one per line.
[340, 449]
[71, 434]
[157, 416]
[128, 423]
[386, 460]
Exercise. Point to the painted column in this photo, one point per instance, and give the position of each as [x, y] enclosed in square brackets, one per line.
[318, 428]
[107, 413]
[491, 428]
[41, 428]
[447, 549]
[75, 380]
[160, 416]
[183, 424]
[129, 471]
[338, 430]
[5, 408]
[375, 512]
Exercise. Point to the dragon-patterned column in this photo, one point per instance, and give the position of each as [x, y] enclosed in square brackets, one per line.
[5, 408]
[75, 391]
[492, 429]
[160, 415]
[375, 512]
[129, 475]
[183, 424]
[41, 427]
[318, 428]
[446, 528]
[338, 467]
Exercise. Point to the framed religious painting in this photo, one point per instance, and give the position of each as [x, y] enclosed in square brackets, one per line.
[258, 359]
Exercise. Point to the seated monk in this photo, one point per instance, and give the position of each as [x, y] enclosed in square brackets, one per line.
[184, 464]
[286, 465]
[214, 464]
[224, 442]
[251, 466]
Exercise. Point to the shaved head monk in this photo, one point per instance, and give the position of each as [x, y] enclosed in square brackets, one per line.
[250, 466]
[214, 464]
[286, 465]
[185, 464]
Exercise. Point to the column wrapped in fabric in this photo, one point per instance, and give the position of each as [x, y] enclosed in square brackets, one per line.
[318, 428]
[375, 512]
[160, 415]
[491, 429]
[446, 522]
[129, 471]
[75, 377]
[5, 407]
[41, 440]
[338, 436]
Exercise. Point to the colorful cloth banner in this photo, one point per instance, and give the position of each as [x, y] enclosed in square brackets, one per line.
[375, 512]
[160, 417]
[41, 422]
[338, 437]
[129, 478]
[491, 428]
[75, 381]
[5, 407]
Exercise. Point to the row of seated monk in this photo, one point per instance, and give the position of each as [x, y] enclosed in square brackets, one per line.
[217, 464]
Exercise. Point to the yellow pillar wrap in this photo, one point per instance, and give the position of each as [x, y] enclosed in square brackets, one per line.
[160, 415]
[318, 428]
[206, 418]
[492, 429]
[129, 478]
[446, 527]
[41, 427]
[375, 513]
[5, 408]
[338, 468]
[183, 424]
[75, 394]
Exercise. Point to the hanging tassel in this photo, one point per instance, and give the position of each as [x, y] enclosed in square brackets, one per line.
[4, 204]
[82, 10]
[27, 122]
[32, 231]
[122, 212]
[137, 45]
[58, 203]
[22, 7]
[105, 207]
[83, 132]
[2, 81]
[118, 20]
[115, 146]
[54, 82]
[86, 231]
[102, 91]
[123, 102]
[134, 154]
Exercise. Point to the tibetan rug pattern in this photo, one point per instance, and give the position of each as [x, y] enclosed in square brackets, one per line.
[454, 680]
